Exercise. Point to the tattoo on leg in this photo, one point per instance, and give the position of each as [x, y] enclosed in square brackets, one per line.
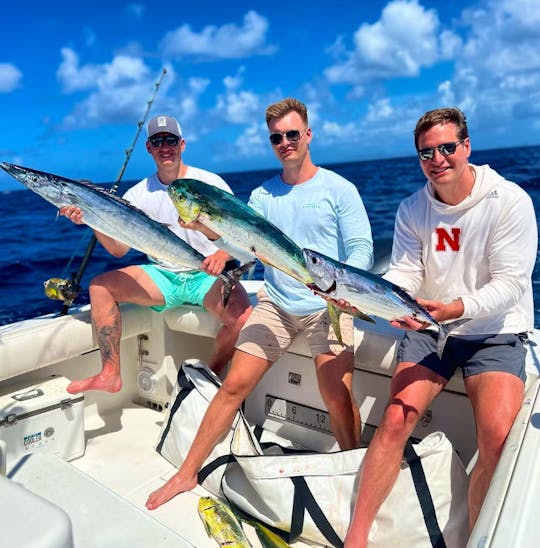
[109, 337]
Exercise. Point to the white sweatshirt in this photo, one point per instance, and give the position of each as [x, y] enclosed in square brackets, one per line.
[482, 250]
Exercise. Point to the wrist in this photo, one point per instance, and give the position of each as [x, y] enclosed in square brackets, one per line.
[458, 308]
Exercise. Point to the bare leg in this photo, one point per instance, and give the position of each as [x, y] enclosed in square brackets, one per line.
[413, 388]
[496, 398]
[334, 374]
[245, 373]
[232, 317]
[130, 284]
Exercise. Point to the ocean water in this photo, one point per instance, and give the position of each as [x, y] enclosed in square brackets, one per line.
[36, 245]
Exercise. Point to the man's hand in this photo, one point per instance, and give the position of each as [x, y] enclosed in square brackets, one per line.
[215, 263]
[438, 310]
[73, 213]
[197, 225]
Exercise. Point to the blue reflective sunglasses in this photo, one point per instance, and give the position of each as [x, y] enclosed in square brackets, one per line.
[293, 136]
[171, 140]
[446, 149]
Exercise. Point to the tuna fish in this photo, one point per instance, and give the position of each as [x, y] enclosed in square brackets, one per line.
[239, 224]
[367, 292]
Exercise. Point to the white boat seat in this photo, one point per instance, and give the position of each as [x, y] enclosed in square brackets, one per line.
[39, 516]
[57, 338]
[99, 517]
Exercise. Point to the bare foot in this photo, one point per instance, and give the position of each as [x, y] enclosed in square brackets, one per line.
[107, 383]
[173, 487]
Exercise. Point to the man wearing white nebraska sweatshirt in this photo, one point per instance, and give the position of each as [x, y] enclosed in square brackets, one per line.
[465, 247]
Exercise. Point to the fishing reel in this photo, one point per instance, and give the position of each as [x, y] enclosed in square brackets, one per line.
[60, 289]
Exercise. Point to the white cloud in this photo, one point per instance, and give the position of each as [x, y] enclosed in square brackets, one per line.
[75, 78]
[252, 142]
[10, 77]
[229, 41]
[499, 62]
[380, 111]
[237, 106]
[123, 70]
[118, 91]
[405, 39]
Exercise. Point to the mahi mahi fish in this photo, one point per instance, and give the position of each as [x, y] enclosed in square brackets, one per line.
[239, 224]
[221, 523]
[367, 292]
[110, 215]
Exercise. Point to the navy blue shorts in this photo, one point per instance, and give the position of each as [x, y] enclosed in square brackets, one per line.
[479, 354]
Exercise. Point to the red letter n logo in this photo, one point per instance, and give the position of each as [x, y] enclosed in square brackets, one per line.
[444, 238]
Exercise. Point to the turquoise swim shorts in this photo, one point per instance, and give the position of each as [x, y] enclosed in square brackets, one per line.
[179, 287]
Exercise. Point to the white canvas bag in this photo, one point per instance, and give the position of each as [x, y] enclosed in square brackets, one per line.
[195, 388]
[311, 495]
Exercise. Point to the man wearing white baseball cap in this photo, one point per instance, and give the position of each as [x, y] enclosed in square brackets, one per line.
[157, 284]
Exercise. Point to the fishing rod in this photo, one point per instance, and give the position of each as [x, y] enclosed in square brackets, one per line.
[67, 290]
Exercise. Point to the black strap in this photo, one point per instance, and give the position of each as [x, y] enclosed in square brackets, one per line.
[424, 497]
[258, 431]
[186, 386]
[304, 500]
[212, 466]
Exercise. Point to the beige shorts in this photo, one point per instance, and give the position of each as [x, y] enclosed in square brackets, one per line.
[269, 331]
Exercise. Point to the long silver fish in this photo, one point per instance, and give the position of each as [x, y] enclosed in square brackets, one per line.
[239, 224]
[110, 215]
[367, 292]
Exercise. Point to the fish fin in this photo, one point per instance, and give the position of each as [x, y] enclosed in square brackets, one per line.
[206, 526]
[242, 269]
[363, 316]
[334, 312]
[444, 332]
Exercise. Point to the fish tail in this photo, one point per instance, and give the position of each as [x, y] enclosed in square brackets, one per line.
[231, 278]
[445, 330]
[441, 339]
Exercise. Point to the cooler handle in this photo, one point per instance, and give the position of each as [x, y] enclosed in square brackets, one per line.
[28, 395]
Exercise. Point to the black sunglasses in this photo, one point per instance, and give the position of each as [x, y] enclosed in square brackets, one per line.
[171, 140]
[293, 136]
[446, 149]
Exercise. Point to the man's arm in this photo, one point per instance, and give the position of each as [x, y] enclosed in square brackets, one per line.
[511, 255]
[355, 229]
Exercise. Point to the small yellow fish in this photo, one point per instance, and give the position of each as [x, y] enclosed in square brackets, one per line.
[221, 523]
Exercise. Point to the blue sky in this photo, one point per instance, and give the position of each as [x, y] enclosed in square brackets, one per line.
[75, 78]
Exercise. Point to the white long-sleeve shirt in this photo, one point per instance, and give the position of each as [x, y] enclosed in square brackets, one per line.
[481, 250]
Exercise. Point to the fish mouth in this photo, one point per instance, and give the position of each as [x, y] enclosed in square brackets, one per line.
[314, 287]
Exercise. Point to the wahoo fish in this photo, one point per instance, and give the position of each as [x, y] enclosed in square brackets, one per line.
[239, 224]
[221, 523]
[367, 292]
[110, 215]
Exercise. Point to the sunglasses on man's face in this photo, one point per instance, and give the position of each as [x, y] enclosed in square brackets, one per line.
[446, 149]
[171, 141]
[293, 136]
